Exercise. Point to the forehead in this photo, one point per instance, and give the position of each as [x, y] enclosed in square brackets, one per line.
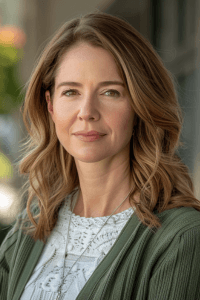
[83, 59]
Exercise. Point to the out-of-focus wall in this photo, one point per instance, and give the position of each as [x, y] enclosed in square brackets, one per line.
[11, 12]
[176, 38]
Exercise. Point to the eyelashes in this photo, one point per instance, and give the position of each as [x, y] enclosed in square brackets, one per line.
[117, 94]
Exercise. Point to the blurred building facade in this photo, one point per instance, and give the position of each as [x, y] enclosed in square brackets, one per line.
[177, 40]
[172, 26]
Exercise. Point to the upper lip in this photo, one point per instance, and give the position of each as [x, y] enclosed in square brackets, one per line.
[93, 132]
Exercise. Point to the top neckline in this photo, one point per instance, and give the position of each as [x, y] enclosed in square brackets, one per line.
[121, 215]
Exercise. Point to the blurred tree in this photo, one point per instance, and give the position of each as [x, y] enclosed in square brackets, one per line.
[12, 40]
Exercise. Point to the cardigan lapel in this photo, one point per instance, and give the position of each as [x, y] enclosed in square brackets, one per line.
[123, 241]
[30, 264]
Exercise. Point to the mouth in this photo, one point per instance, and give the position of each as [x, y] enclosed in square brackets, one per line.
[97, 134]
[89, 133]
[89, 138]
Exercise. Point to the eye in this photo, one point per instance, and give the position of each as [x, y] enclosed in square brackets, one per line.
[113, 91]
[68, 91]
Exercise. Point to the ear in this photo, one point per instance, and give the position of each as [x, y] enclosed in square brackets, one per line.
[49, 104]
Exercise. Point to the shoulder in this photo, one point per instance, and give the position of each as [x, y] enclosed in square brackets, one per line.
[15, 231]
[177, 224]
[178, 235]
[179, 219]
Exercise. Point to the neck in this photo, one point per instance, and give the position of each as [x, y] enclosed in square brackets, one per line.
[105, 207]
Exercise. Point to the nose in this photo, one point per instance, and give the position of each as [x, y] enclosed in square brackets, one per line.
[88, 110]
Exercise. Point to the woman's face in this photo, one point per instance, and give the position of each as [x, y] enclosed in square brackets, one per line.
[90, 105]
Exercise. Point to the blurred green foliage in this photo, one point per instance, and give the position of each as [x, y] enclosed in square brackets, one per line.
[6, 168]
[10, 86]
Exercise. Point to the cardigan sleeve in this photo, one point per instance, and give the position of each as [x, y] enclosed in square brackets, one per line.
[7, 250]
[178, 276]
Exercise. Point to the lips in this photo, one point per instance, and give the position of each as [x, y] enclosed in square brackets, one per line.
[97, 134]
[90, 133]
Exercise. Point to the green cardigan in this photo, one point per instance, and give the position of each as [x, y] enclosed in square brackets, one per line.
[161, 264]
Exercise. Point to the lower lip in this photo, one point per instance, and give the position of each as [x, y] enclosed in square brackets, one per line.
[89, 138]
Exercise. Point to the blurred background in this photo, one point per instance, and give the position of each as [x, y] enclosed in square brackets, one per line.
[172, 27]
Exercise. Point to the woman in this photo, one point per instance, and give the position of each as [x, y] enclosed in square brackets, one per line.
[110, 214]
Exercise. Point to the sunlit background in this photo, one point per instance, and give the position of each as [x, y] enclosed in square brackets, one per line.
[172, 27]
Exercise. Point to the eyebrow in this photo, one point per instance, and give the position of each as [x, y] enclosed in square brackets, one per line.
[103, 83]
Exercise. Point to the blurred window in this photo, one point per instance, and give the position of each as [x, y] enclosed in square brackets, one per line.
[182, 4]
[157, 21]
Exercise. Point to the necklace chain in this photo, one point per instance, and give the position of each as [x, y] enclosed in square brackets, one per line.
[60, 287]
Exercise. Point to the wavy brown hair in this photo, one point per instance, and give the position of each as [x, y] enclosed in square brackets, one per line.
[160, 176]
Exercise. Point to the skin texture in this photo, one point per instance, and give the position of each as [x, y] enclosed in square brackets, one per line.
[103, 165]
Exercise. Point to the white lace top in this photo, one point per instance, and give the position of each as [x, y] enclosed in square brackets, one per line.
[48, 273]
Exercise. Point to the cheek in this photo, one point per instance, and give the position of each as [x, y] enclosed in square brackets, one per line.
[127, 122]
[121, 122]
[126, 125]
[61, 116]
[60, 112]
